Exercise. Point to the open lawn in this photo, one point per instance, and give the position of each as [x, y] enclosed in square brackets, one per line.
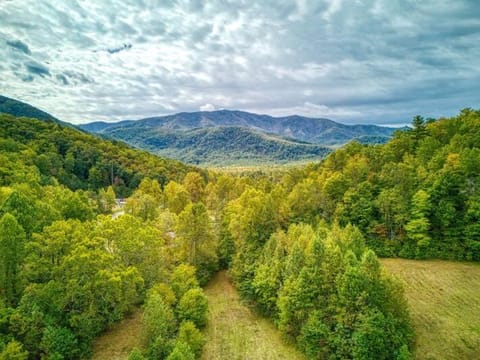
[234, 332]
[444, 301]
[117, 342]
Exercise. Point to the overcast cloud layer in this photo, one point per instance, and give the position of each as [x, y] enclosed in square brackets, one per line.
[363, 61]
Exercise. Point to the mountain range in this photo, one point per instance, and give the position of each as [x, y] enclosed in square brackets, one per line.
[226, 137]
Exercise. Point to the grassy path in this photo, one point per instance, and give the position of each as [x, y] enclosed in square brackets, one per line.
[116, 343]
[444, 301]
[234, 332]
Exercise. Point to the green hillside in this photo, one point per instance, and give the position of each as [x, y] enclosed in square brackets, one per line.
[20, 109]
[74, 158]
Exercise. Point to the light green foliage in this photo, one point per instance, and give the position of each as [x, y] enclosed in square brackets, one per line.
[418, 226]
[183, 279]
[142, 205]
[22, 207]
[165, 292]
[158, 319]
[14, 351]
[252, 222]
[195, 186]
[176, 197]
[181, 351]
[135, 243]
[152, 188]
[196, 241]
[106, 200]
[193, 306]
[189, 334]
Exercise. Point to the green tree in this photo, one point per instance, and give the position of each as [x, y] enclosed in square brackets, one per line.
[142, 205]
[106, 200]
[181, 351]
[195, 186]
[158, 319]
[183, 279]
[176, 197]
[189, 334]
[418, 226]
[196, 240]
[12, 244]
[193, 306]
[59, 343]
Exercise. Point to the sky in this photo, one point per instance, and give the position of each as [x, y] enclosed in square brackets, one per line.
[353, 61]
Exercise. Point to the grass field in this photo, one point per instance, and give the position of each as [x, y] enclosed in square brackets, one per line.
[234, 332]
[116, 343]
[444, 301]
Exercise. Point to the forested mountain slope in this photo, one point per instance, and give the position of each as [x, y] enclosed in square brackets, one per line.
[417, 196]
[20, 109]
[68, 269]
[223, 145]
[47, 151]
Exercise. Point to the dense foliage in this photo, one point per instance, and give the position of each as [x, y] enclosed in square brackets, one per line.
[417, 196]
[172, 317]
[69, 268]
[291, 247]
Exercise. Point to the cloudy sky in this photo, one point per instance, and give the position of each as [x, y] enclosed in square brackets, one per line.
[354, 61]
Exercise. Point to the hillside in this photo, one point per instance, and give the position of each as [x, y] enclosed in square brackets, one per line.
[76, 159]
[219, 146]
[443, 297]
[20, 109]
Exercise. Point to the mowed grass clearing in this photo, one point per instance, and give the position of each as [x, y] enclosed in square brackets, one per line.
[117, 342]
[444, 302]
[234, 332]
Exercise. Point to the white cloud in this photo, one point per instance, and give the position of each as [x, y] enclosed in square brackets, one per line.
[207, 107]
